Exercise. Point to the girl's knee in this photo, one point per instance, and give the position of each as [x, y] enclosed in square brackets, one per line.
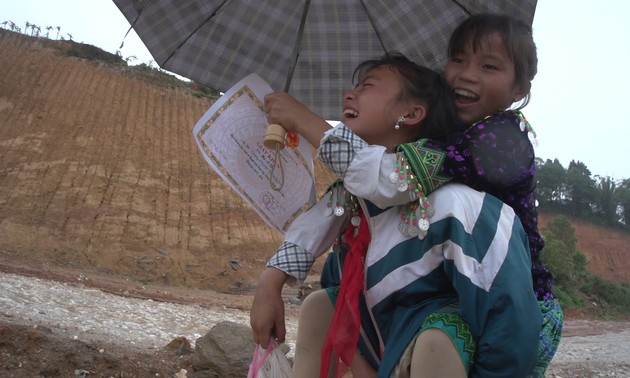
[316, 312]
[318, 302]
[435, 340]
[435, 355]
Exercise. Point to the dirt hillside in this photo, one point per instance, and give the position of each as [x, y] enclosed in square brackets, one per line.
[99, 172]
[607, 250]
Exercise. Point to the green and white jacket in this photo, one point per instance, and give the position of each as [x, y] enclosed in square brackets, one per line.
[475, 253]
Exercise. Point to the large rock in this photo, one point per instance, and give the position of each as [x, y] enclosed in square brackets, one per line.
[224, 352]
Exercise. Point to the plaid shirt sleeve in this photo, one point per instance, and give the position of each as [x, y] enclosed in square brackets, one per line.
[338, 147]
[293, 260]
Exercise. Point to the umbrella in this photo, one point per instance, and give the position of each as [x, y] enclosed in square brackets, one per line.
[308, 48]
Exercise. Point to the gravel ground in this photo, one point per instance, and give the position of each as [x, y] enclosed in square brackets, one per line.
[589, 348]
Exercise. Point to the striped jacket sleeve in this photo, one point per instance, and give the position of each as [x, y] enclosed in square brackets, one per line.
[309, 236]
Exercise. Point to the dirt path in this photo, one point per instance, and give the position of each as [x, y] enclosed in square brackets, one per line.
[61, 323]
[125, 325]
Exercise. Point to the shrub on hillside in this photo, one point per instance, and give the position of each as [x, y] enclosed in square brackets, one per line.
[93, 53]
[609, 296]
[573, 283]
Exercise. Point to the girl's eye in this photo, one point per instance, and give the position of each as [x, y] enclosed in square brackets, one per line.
[457, 60]
[365, 84]
[490, 67]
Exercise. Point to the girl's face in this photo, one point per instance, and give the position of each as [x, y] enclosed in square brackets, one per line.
[372, 108]
[484, 81]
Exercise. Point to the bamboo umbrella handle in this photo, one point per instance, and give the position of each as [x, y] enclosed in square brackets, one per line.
[275, 137]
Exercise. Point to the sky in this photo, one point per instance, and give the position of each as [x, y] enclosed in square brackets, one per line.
[577, 106]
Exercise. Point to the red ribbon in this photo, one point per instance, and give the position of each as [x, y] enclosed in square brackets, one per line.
[342, 337]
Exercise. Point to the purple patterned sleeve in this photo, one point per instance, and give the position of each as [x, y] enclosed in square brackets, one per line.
[494, 154]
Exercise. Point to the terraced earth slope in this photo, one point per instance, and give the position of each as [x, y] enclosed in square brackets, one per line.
[99, 173]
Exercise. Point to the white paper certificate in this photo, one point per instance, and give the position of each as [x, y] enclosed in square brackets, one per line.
[230, 137]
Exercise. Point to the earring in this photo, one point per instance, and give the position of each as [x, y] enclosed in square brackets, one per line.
[398, 123]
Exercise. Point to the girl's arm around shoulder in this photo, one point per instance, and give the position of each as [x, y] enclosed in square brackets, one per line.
[365, 169]
[493, 153]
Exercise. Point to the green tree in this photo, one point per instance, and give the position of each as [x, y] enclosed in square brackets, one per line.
[606, 200]
[564, 232]
[623, 199]
[550, 177]
[566, 263]
[572, 282]
[580, 189]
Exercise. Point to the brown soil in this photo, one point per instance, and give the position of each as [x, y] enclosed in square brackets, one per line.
[39, 352]
[99, 172]
[100, 176]
[607, 250]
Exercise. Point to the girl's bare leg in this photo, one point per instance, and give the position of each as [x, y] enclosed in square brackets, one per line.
[435, 356]
[315, 317]
[360, 367]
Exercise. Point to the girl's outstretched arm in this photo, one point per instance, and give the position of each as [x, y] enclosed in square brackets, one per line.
[267, 314]
[309, 236]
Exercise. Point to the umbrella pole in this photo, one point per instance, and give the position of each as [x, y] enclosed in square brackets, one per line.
[275, 137]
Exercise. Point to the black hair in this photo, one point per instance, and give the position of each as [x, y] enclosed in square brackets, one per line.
[517, 37]
[421, 84]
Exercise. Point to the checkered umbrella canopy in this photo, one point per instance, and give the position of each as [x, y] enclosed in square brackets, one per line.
[309, 48]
